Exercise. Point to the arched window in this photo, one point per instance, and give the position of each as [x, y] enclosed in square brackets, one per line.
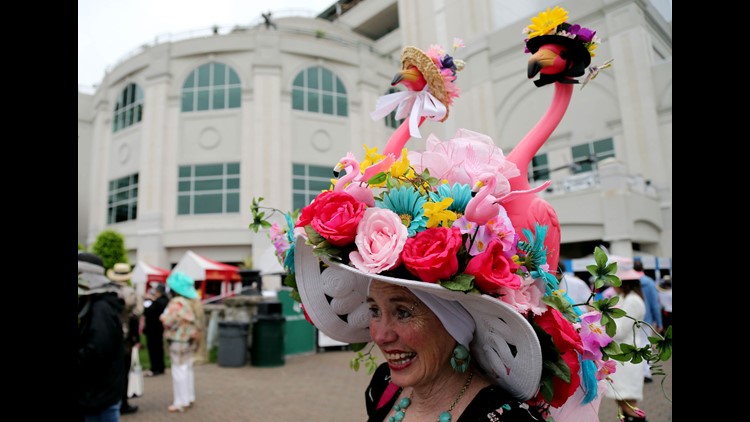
[318, 90]
[212, 86]
[129, 108]
[390, 119]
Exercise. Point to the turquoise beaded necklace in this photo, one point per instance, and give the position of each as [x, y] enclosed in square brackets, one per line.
[405, 402]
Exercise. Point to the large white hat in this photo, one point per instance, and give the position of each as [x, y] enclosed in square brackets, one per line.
[505, 344]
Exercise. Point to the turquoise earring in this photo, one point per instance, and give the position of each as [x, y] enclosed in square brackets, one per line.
[460, 359]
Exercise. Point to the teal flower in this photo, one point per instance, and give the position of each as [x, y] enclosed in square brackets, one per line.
[535, 260]
[408, 204]
[461, 194]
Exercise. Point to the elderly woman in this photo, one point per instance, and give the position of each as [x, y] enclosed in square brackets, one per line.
[425, 359]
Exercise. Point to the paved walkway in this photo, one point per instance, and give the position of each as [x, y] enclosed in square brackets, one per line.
[317, 387]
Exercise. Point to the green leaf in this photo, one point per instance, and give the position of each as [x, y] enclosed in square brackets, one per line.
[559, 369]
[461, 283]
[600, 257]
[356, 347]
[377, 179]
[354, 364]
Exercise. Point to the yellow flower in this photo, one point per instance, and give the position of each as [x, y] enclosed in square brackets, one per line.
[591, 47]
[437, 213]
[401, 167]
[371, 157]
[547, 21]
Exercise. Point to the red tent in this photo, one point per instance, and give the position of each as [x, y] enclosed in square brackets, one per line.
[146, 276]
[212, 278]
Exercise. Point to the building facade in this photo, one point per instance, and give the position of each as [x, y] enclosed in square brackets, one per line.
[180, 136]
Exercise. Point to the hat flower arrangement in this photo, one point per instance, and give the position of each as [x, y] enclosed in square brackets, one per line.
[437, 219]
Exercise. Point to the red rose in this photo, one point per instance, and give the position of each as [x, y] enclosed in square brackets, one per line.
[431, 255]
[492, 270]
[335, 216]
[569, 344]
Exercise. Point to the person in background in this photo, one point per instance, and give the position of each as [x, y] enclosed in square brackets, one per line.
[627, 381]
[153, 329]
[665, 299]
[101, 373]
[181, 331]
[131, 314]
[577, 289]
[653, 311]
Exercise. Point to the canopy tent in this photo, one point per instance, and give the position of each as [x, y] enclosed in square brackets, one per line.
[146, 276]
[212, 278]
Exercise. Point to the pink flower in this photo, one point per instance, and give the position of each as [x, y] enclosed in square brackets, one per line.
[431, 254]
[334, 215]
[527, 298]
[605, 369]
[593, 335]
[568, 343]
[279, 240]
[380, 239]
[463, 159]
[492, 270]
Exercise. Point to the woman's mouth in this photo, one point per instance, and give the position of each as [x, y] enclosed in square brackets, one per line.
[400, 359]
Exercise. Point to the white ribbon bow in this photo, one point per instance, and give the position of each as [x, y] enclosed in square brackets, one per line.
[414, 104]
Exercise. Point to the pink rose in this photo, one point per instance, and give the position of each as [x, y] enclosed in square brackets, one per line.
[334, 215]
[431, 254]
[380, 239]
[492, 270]
[463, 158]
[527, 298]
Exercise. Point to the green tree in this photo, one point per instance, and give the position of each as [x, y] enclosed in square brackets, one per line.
[110, 246]
[80, 247]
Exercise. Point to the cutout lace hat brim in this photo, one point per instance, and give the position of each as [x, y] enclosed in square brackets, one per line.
[335, 299]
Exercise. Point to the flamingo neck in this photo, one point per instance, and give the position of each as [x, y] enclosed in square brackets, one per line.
[351, 172]
[399, 138]
[522, 154]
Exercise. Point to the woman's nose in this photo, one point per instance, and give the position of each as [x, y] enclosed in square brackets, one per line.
[381, 331]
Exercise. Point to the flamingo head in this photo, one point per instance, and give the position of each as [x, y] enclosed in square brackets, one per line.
[349, 161]
[561, 51]
[411, 78]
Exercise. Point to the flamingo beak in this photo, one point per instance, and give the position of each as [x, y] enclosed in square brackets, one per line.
[337, 170]
[539, 60]
[411, 74]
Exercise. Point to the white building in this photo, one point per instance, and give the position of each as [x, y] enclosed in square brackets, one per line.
[182, 134]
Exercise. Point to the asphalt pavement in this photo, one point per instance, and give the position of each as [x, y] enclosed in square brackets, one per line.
[316, 387]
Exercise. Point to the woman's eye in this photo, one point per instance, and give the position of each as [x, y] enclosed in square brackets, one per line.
[374, 312]
[403, 313]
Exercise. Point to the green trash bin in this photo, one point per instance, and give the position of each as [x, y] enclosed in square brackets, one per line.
[299, 334]
[268, 336]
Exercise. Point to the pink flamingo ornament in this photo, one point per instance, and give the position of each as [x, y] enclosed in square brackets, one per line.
[483, 207]
[558, 59]
[350, 182]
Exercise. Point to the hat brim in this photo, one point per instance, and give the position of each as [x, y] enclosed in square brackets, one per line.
[187, 291]
[577, 52]
[92, 283]
[629, 275]
[112, 275]
[505, 343]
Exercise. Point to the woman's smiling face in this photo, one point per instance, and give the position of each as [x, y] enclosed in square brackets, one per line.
[410, 336]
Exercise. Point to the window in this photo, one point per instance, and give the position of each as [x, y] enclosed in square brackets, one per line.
[586, 155]
[307, 182]
[390, 120]
[318, 90]
[208, 189]
[213, 86]
[129, 108]
[122, 200]
[539, 168]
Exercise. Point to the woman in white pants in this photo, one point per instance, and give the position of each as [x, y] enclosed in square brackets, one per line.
[181, 330]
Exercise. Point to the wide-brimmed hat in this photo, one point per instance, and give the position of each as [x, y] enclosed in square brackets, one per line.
[182, 284]
[120, 272]
[91, 279]
[625, 269]
[506, 346]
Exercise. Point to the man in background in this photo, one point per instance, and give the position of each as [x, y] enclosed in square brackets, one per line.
[130, 317]
[153, 329]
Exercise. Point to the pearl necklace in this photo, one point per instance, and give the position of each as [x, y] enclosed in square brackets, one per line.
[404, 403]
